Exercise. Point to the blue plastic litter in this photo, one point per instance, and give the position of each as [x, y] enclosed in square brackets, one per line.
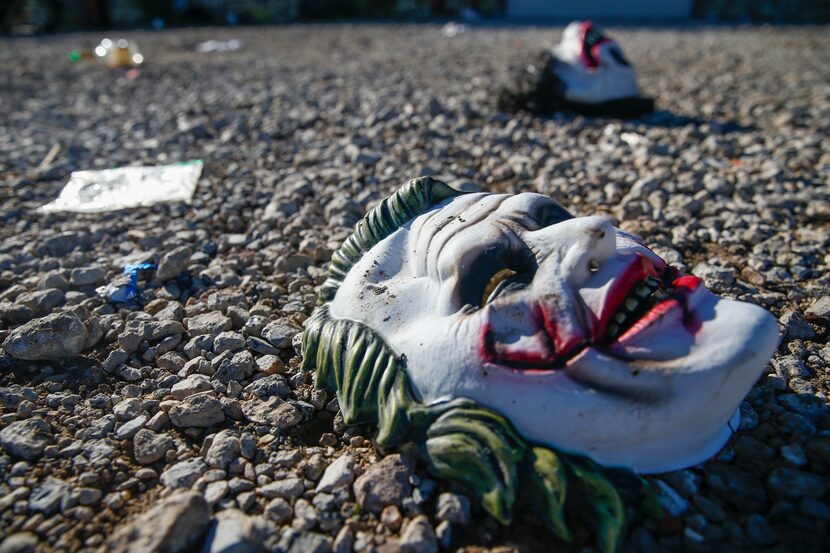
[125, 289]
[134, 268]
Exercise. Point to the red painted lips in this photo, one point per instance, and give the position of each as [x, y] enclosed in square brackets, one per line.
[550, 349]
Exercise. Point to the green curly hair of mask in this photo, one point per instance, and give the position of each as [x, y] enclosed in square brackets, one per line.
[459, 440]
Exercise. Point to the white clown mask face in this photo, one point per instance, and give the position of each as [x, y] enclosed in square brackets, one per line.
[592, 66]
[571, 328]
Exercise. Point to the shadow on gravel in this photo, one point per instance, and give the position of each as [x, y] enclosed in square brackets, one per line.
[75, 375]
[659, 118]
[669, 120]
[309, 434]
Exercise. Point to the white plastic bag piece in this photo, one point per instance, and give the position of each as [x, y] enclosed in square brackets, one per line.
[219, 46]
[126, 187]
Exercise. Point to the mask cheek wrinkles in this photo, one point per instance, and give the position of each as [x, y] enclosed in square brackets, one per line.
[456, 261]
[449, 300]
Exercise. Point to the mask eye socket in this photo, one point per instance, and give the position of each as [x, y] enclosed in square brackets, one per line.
[495, 273]
[550, 213]
[593, 266]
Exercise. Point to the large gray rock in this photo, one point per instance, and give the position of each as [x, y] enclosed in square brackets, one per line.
[808, 406]
[172, 525]
[53, 279]
[223, 450]
[454, 508]
[46, 497]
[26, 439]
[384, 483]
[273, 412]
[149, 447]
[22, 542]
[271, 385]
[212, 323]
[789, 367]
[173, 263]
[338, 474]
[183, 474]
[156, 330]
[127, 409]
[796, 327]
[234, 369]
[820, 310]
[344, 542]
[200, 410]
[294, 541]
[86, 276]
[291, 263]
[305, 515]
[15, 313]
[193, 384]
[714, 276]
[419, 537]
[234, 532]
[280, 333]
[228, 341]
[63, 243]
[278, 510]
[52, 337]
[100, 451]
[286, 488]
[42, 302]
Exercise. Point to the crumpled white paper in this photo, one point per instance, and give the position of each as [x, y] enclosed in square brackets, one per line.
[126, 187]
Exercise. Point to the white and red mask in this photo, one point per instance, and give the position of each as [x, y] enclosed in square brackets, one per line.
[580, 335]
[592, 66]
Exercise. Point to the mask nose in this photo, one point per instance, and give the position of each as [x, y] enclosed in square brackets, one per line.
[568, 254]
[576, 248]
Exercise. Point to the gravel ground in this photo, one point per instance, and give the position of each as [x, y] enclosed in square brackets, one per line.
[185, 420]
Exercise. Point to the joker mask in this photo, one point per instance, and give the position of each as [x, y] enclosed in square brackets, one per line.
[586, 73]
[592, 66]
[571, 331]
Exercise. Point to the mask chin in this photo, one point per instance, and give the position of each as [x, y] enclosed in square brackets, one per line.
[703, 450]
[619, 378]
[657, 415]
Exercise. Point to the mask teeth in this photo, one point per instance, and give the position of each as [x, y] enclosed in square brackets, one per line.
[644, 296]
[593, 36]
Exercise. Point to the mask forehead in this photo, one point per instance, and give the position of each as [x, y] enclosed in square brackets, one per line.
[424, 258]
[441, 238]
